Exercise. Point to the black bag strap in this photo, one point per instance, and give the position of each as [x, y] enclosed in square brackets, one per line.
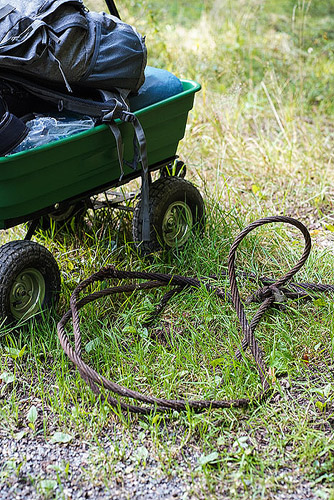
[107, 112]
[95, 109]
[139, 157]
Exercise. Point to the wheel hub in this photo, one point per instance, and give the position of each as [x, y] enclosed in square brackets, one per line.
[27, 294]
[177, 224]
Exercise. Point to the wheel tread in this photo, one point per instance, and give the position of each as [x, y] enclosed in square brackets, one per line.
[160, 190]
[12, 257]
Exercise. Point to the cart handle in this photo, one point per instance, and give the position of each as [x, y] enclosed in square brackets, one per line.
[112, 8]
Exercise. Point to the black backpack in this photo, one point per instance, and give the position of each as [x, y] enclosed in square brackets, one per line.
[49, 39]
[64, 42]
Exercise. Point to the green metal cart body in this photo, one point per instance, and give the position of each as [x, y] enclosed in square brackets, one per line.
[60, 181]
[36, 181]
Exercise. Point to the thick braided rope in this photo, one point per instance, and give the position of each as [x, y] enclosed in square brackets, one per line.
[179, 283]
[249, 338]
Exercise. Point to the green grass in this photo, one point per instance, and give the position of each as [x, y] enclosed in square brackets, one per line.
[259, 142]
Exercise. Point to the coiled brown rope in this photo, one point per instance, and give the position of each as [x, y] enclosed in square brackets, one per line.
[271, 293]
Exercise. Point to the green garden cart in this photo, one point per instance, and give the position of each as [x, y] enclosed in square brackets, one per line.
[59, 180]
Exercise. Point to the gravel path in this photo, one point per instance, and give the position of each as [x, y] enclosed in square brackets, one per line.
[32, 468]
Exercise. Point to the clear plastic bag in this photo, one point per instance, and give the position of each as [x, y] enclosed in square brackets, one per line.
[45, 129]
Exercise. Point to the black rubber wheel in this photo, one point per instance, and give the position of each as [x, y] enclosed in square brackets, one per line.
[176, 211]
[64, 215]
[29, 281]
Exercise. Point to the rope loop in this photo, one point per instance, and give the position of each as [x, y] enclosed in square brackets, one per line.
[269, 295]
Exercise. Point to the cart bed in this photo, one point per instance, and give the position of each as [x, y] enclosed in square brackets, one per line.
[33, 180]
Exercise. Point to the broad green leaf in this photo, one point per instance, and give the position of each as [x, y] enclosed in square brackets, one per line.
[241, 441]
[319, 302]
[327, 390]
[22, 351]
[212, 458]
[7, 377]
[32, 415]
[129, 329]
[141, 436]
[48, 484]
[70, 264]
[321, 406]
[61, 437]
[19, 435]
[156, 419]
[92, 344]
[75, 411]
[141, 454]
[217, 361]
[12, 352]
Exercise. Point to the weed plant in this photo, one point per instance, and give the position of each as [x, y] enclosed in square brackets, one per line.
[259, 142]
